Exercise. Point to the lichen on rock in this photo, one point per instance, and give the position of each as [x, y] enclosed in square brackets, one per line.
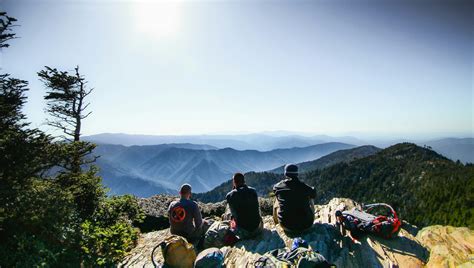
[449, 246]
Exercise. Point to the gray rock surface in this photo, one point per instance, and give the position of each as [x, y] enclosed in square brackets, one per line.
[403, 251]
[156, 208]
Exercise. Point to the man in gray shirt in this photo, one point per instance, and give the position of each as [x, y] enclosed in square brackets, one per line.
[185, 217]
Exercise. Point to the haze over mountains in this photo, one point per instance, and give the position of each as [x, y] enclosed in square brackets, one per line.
[257, 141]
[454, 148]
[152, 169]
[129, 166]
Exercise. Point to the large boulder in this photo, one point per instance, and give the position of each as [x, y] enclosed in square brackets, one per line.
[156, 210]
[406, 250]
[449, 246]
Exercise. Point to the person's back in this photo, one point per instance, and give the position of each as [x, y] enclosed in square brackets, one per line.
[243, 203]
[184, 216]
[244, 209]
[295, 211]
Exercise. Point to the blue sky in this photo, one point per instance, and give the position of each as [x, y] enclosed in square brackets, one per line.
[389, 68]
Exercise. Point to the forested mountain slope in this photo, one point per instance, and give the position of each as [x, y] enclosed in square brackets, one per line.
[264, 181]
[346, 155]
[424, 186]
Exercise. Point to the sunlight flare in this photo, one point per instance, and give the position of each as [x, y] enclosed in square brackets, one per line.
[158, 19]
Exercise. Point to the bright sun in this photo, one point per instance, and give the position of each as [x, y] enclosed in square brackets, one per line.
[158, 19]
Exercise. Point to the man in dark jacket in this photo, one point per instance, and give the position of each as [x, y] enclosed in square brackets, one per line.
[244, 208]
[185, 217]
[293, 208]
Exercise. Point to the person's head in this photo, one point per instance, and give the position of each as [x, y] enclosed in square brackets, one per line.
[291, 170]
[185, 191]
[238, 180]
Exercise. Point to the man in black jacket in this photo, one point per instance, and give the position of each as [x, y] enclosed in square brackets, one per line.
[244, 208]
[293, 208]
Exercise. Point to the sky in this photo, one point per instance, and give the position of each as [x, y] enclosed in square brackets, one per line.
[388, 68]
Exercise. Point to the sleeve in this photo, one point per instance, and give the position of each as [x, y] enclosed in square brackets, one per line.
[274, 188]
[169, 210]
[197, 216]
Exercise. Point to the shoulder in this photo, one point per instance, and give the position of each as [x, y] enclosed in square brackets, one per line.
[230, 194]
[280, 184]
[190, 204]
[251, 189]
[173, 203]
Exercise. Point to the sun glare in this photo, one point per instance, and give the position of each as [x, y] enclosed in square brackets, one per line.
[158, 19]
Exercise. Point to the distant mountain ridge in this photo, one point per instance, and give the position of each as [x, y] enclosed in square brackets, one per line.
[453, 148]
[346, 155]
[167, 166]
[257, 141]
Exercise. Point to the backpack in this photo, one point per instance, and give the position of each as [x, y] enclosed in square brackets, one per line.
[367, 221]
[177, 252]
[298, 257]
[219, 235]
[270, 261]
[211, 257]
[310, 258]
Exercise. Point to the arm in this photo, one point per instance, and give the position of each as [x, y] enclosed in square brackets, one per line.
[197, 216]
[169, 212]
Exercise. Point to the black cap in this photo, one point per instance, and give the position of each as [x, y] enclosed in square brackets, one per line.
[291, 169]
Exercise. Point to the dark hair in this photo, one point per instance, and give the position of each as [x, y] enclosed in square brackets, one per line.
[185, 189]
[238, 179]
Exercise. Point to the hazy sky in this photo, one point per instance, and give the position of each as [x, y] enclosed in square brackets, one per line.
[190, 67]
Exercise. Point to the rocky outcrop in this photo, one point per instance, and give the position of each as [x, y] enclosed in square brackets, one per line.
[406, 250]
[156, 207]
[449, 246]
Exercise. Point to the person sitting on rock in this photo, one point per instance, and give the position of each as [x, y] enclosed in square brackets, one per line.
[293, 208]
[185, 217]
[244, 209]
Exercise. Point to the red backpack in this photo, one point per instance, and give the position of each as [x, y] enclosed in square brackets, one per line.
[367, 221]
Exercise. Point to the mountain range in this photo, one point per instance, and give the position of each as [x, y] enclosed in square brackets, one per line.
[257, 141]
[152, 169]
[454, 148]
[264, 181]
[424, 186]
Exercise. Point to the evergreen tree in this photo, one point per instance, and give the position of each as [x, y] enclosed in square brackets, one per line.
[67, 105]
[50, 218]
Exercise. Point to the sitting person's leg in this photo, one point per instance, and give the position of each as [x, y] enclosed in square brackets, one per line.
[199, 232]
[195, 236]
[227, 216]
[246, 234]
[259, 229]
